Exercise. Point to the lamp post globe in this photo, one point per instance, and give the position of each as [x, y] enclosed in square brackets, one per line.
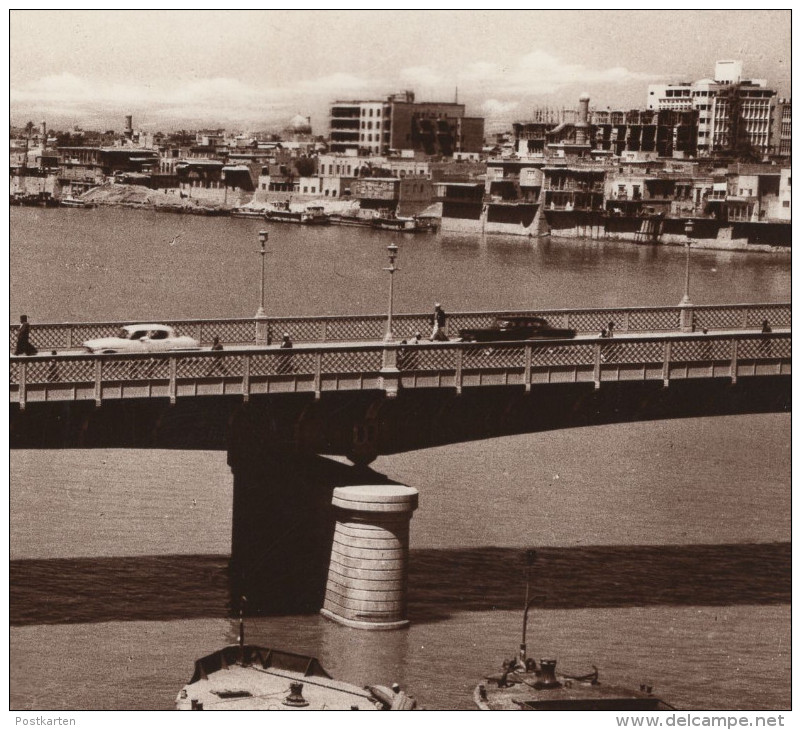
[263, 235]
[689, 229]
[393, 254]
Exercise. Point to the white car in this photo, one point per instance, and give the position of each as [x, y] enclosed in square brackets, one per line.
[142, 338]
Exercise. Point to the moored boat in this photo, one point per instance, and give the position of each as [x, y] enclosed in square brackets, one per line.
[315, 215]
[525, 684]
[247, 213]
[248, 677]
[282, 213]
[395, 223]
[70, 202]
[350, 220]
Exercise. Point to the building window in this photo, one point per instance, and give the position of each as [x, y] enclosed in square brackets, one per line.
[786, 203]
[371, 112]
[305, 188]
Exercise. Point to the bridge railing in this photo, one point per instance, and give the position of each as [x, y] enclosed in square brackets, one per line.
[451, 364]
[364, 328]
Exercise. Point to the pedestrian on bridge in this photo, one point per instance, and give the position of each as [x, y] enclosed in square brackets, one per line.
[439, 331]
[218, 364]
[285, 361]
[766, 346]
[24, 345]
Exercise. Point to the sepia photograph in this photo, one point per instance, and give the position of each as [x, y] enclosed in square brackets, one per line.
[400, 360]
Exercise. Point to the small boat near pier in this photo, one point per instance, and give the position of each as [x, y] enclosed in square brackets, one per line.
[525, 684]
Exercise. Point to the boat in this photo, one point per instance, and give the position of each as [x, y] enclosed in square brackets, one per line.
[388, 221]
[247, 213]
[281, 212]
[315, 215]
[350, 220]
[525, 684]
[70, 202]
[249, 677]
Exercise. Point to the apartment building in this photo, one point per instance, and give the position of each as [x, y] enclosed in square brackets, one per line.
[735, 114]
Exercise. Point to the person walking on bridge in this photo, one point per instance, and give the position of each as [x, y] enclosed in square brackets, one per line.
[285, 361]
[24, 345]
[218, 364]
[439, 321]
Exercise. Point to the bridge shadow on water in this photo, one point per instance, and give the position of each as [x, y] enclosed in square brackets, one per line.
[441, 582]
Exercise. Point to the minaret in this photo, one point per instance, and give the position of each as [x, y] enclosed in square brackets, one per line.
[583, 126]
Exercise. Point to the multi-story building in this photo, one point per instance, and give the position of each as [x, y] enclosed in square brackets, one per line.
[598, 133]
[400, 123]
[734, 114]
[781, 136]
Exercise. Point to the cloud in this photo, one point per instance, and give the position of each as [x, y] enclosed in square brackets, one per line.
[539, 72]
[421, 76]
[74, 99]
[496, 108]
[337, 83]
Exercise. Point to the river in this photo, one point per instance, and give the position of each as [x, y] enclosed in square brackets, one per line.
[664, 547]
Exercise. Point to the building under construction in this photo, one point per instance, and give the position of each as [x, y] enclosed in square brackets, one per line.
[598, 133]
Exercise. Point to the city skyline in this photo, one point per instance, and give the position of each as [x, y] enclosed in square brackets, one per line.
[256, 69]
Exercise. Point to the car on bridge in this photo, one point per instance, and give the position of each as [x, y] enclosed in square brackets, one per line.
[142, 338]
[516, 328]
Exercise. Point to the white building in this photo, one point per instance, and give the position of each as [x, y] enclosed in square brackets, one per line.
[731, 110]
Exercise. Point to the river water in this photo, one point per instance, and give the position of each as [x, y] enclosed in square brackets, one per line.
[664, 547]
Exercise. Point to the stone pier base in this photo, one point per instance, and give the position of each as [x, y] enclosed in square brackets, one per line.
[367, 575]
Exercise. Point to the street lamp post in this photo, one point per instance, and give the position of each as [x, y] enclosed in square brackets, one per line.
[393, 253]
[261, 317]
[685, 303]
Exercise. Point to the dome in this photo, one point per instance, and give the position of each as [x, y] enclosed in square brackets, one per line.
[299, 123]
[584, 96]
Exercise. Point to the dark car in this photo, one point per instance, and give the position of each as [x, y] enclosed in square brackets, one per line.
[516, 328]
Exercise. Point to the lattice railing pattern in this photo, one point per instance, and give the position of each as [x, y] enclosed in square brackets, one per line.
[764, 347]
[59, 371]
[209, 367]
[227, 330]
[632, 352]
[778, 315]
[352, 329]
[546, 355]
[595, 320]
[282, 362]
[367, 360]
[372, 327]
[442, 358]
[351, 361]
[717, 318]
[653, 320]
[483, 356]
[139, 368]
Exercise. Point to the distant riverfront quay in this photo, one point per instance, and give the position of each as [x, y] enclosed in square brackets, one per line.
[664, 546]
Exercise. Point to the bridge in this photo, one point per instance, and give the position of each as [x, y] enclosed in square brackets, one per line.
[343, 391]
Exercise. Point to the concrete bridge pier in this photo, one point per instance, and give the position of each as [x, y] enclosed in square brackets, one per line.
[367, 577]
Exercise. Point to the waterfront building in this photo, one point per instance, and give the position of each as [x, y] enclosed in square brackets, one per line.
[781, 137]
[400, 123]
[758, 193]
[404, 196]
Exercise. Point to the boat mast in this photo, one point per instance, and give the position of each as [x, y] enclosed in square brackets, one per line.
[531, 556]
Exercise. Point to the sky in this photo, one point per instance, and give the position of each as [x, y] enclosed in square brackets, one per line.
[254, 70]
